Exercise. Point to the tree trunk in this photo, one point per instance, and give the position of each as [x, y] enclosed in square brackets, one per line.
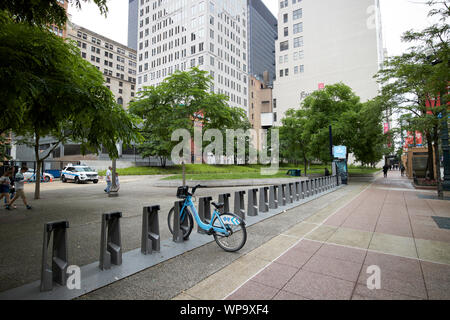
[37, 173]
[430, 164]
[305, 161]
[113, 178]
[440, 188]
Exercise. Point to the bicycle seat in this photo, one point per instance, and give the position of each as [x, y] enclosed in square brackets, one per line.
[217, 205]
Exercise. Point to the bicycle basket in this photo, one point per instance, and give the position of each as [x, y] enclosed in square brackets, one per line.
[182, 192]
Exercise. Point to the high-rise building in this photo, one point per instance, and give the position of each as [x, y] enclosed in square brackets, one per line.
[180, 34]
[116, 61]
[261, 109]
[133, 11]
[262, 34]
[62, 32]
[326, 42]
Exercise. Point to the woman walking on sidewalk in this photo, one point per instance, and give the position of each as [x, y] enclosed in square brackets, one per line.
[20, 179]
[4, 187]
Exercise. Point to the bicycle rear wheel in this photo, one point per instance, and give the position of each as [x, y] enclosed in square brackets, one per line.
[238, 233]
[186, 227]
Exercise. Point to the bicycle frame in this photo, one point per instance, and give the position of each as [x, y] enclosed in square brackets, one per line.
[188, 203]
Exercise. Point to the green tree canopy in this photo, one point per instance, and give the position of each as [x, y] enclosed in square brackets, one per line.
[43, 12]
[421, 75]
[50, 91]
[179, 101]
[305, 131]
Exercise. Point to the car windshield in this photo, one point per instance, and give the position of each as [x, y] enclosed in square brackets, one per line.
[84, 169]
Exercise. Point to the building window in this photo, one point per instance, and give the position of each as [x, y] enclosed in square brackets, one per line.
[284, 45]
[285, 18]
[298, 42]
[120, 101]
[286, 31]
[298, 27]
[297, 14]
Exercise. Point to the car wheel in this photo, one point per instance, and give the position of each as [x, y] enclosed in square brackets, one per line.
[77, 180]
[46, 179]
[63, 179]
[95, 181]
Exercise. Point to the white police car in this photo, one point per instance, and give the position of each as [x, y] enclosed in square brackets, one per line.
[79, 174]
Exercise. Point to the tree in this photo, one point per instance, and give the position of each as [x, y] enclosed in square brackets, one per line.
[369, 142]
[335, 105]
[180, 101]
[62, 95]
[420, 76]
[294, 142]
[43, 12]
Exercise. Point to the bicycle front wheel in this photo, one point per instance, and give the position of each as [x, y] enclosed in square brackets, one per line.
[186, 226]
[237, 236]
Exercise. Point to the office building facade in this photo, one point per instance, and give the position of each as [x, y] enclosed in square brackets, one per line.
[116, 61]
[133, 10]
[208, 34]
[322, 43]
[262, 34]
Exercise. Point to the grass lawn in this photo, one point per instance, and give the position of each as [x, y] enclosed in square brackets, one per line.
[221, 172]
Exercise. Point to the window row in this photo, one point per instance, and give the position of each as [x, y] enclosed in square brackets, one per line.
[297, 70]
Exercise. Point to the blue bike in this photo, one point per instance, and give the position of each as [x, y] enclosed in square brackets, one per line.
[228, 229]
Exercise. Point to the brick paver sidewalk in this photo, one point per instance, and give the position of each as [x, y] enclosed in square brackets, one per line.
[388, 225]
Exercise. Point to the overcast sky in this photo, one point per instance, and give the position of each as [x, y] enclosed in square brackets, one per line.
[397, 17]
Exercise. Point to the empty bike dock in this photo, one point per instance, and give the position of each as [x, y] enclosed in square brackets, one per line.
[253, 205]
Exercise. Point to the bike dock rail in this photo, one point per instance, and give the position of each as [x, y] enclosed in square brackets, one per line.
[136, 260]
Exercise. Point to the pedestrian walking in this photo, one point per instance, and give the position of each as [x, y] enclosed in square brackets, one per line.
[19, 182]
[4, 187]
[402, 169]
[11, 184]
[385, 170]
[108, 179]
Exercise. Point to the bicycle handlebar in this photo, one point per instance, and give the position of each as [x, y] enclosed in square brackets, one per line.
[195, 188]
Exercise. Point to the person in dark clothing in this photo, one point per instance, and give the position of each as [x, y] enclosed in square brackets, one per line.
[327, 172]
[402, 169]
[385, 170]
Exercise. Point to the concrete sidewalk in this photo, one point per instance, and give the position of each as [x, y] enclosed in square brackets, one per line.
[389, 225]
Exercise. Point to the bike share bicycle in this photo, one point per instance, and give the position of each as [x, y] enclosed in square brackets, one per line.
[228, 229]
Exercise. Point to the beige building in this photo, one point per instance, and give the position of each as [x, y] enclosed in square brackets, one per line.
[326, 42]
[261, 104]
[116, 61]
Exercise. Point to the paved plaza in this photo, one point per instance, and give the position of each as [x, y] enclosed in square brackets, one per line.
[319, 250]
[327, 256]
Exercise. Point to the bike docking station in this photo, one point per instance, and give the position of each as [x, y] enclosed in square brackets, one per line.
[281, 195]
[204, 211]
[110, 241]
[239, 205]
[115, 264]
[291, 192]
[252, 202]
[150, 240]
[177, 224]
[264, 199]
[225, 199]
[59, 256]
[273, 197]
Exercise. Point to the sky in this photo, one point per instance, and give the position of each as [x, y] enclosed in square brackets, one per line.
[397, 17]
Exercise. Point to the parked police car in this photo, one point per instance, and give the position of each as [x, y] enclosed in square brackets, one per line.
[79, 174]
